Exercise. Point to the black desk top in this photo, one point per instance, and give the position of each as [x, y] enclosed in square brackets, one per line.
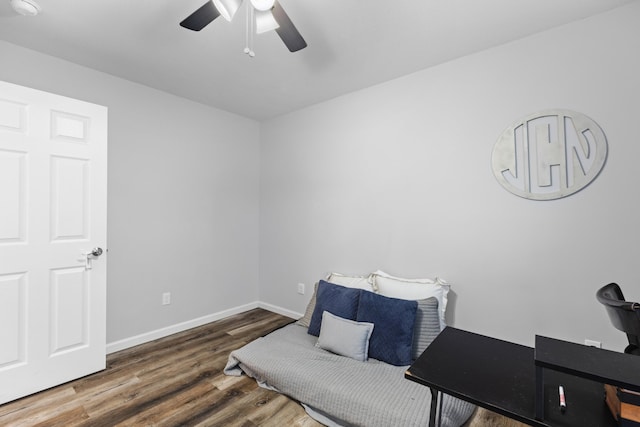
[500, 376]
[615, 368]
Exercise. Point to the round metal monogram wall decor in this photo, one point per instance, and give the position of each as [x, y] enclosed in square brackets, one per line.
[549, 155]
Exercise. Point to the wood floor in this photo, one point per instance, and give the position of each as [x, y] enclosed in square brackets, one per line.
[175, 381]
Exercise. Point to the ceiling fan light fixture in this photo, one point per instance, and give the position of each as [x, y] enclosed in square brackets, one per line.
[265, 21]
[262, 5]
[25, 7]
[227, 8]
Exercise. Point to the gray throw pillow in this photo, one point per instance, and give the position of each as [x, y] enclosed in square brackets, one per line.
[345, 337]
[427, 326]
[306, 319]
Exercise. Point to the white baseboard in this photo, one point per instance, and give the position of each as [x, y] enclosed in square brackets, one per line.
[180, 327]
[280, 310]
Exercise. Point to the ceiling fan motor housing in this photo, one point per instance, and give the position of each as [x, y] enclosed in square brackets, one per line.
[25, 7]
[262, 5]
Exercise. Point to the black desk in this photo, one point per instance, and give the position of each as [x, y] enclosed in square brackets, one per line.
[501, 376]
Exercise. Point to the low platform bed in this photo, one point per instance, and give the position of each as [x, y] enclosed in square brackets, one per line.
[336, 375]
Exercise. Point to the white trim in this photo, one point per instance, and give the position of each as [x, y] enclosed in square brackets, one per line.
[280, 310]
[179, 327]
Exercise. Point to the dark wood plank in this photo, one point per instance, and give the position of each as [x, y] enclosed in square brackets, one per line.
[173, 381]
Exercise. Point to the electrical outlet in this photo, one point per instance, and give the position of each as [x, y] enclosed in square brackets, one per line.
[301, 288]
[166, 298]
[593, 343]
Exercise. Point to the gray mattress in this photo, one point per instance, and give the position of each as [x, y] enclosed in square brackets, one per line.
[338, 390]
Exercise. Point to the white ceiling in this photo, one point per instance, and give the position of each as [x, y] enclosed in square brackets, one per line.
[352, 44]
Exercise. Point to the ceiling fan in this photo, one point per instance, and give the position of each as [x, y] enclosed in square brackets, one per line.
[269, 15]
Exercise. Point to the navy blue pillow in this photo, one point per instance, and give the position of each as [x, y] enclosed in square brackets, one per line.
[337, 300]
[394, 320]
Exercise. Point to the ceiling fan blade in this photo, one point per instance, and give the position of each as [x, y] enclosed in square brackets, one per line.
[201, 17]
[287, 31]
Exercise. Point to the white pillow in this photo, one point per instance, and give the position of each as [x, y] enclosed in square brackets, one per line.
[358, 282]
[345, 337]
[413, 289]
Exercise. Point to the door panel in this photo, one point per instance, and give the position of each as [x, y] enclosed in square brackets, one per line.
[53, 180]
[69, 198]
[13, 116]
[69, 298]
[12, 202]
[13, 315]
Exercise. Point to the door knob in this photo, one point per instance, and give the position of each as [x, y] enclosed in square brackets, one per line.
[96, 251]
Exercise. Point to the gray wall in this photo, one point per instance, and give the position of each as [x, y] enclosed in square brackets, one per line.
[223, 211]
[183, 196]
[398, 177]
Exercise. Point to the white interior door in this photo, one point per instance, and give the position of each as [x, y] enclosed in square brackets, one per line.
[53, 210]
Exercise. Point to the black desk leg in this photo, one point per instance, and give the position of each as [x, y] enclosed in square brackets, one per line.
[436, 400]
[539, 393]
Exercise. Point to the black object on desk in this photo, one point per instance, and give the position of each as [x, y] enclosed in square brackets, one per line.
[501, 377]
